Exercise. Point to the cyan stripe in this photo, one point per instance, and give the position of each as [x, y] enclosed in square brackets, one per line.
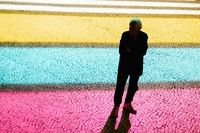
[64, 65]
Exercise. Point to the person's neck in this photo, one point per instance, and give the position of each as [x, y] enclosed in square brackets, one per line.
[134, 33]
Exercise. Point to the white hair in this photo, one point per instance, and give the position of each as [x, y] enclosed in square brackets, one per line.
[136, 20]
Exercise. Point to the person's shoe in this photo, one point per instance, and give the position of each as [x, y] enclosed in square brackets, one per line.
[128, 107]
[114, 112]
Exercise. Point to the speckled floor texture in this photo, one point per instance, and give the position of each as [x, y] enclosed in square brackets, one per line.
[58, 69]
[71, 65]
[87, 111]
[29, 29]
[58, 90]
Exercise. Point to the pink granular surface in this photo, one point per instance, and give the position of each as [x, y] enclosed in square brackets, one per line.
[87, 111]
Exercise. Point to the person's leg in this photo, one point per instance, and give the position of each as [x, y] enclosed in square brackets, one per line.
[133, 87]
[121, 81]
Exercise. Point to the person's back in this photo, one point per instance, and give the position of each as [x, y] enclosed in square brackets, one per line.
[132, 60]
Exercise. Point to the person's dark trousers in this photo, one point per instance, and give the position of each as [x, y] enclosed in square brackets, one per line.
[132, 87]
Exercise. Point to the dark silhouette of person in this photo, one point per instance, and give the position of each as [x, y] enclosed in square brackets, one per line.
[133, 46]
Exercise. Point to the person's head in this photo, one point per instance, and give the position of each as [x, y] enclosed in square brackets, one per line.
[135, 25]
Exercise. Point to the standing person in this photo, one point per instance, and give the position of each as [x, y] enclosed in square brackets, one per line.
[132, 48]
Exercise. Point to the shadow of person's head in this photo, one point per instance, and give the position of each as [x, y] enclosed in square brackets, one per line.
[124, 124]
[109, 127]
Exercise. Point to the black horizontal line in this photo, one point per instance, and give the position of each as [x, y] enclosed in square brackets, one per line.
[94, 44]
[89, 87]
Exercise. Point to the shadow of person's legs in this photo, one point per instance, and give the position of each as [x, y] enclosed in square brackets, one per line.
[109, 127]
[124, 124]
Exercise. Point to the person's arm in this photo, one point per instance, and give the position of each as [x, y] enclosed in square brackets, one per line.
[123, 47]
[145, 44]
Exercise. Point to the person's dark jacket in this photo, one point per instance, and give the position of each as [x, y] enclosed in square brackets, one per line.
[132, 62]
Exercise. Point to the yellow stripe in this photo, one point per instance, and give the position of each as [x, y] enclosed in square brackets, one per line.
[61, 29]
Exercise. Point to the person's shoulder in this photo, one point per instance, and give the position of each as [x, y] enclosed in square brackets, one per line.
[143, 34]
[125, 33]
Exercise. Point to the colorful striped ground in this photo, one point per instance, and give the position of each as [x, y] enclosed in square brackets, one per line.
[58, 67]
[29, 66]
[80, 30]
[86, 111]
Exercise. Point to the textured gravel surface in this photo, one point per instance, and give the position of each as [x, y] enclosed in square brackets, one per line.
[70, 90]
[41, 29]
[87, 111]
[19, 65]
